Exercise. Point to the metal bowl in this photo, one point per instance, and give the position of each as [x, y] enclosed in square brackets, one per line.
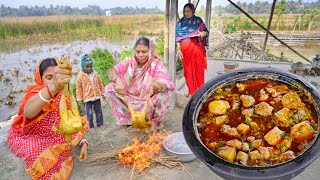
[176, 145]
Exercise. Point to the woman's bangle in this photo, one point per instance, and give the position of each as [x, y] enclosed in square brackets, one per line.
[49, 91]
[83, 141]
[42, 98]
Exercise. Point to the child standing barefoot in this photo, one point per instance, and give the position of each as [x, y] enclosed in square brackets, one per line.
[89, 90]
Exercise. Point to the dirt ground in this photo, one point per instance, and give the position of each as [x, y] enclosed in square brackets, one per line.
[113, 137]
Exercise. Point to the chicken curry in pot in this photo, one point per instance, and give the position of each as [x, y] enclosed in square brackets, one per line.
[258, 122]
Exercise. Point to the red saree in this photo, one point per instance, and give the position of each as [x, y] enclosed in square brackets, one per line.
[194, 63]
[46, 154]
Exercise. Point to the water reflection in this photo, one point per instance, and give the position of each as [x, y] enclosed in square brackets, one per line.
[17, 69]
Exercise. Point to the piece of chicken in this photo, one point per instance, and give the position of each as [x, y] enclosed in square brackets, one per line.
[286, 156]
[248, 112]
[70, 120]
[263, 95]
[302, 115]
[247, 100]
[139, 117]
[263, 109]
[242, 157]
[277, 90]
[235, 143]
[241, 87]
[228, 130]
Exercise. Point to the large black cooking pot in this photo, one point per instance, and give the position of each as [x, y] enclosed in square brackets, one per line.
[229, 170]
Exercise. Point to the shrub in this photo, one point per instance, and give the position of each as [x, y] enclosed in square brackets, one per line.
[159, 46]
[125, 53]
[103, 62]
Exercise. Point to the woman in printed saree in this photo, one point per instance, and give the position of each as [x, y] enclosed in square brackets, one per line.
[135, 79]
[191, 38]
[46, 154]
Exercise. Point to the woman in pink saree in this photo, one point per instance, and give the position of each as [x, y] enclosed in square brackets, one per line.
[136, 78]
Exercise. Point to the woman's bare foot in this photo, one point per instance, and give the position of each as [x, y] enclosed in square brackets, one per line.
[156, 127]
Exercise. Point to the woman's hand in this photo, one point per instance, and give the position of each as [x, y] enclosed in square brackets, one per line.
[104, 98]
[158, 87]
[156, 127]
[83, 152]
[63, 74]
[202, 34]
[80, 103]
[120, 87]
[179, 55]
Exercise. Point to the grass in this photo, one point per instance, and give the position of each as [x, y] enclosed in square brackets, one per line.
[115, 26]
[288, 22]
[107, 26]
[18, 33]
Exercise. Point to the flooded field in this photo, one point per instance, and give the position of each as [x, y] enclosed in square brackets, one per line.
[17, 68]
[306, 51]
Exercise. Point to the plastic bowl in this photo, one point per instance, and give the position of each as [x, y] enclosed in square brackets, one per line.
[176, 145]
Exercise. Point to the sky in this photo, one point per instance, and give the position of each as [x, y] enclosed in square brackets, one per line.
[106, 4]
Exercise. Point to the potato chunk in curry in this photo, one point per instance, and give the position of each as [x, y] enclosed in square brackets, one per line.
[292, 100]
[303, 131]
[218, 107]
[285, 117]
[274, 136]
[243, 128]
[220, 120]
[228, 153]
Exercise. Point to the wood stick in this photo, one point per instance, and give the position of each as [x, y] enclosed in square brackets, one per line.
[132, 172]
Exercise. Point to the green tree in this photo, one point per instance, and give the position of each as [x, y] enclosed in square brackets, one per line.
[280, 10]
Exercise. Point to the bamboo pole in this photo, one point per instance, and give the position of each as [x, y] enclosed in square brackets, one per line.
[269, 25]
[195, 3]
[172, 46]
[208, 14]
[166, 35]
[208, 18]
